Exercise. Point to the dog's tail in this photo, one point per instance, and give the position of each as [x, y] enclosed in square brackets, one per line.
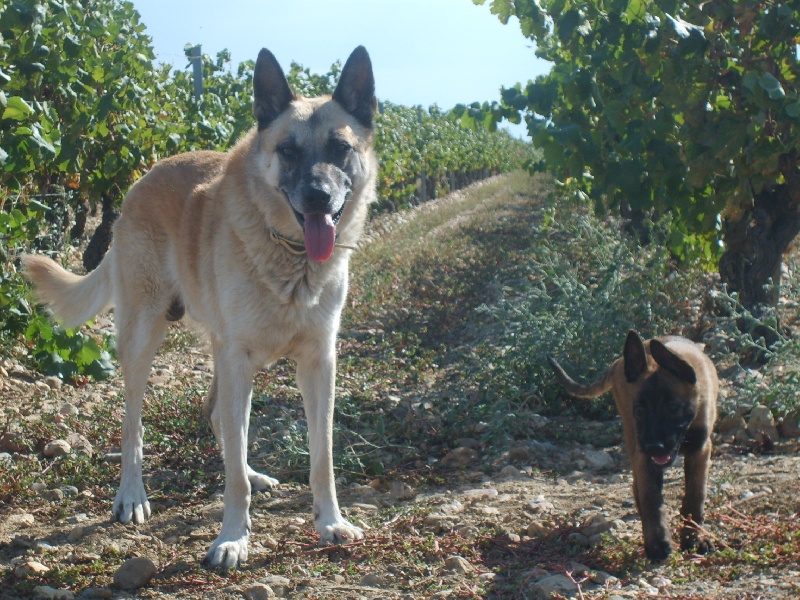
[74, 299]
[591, 390]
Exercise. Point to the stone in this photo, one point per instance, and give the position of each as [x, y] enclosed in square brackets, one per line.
[458, 564]
[48, 593]
[762, 421]
[537, 529]
[13, 442]
[509, 472]
[76, 533]
[401, 491]
[57, 448]
[101, 593]
[67, 409]
[280, 585]
[134, 573]
[731, 424]
[460, 457]
[790, 425]
[598, 459]
[373, 580]
[30, 568]
[80, 444]
[52, 495]
[259, 591]
[546, 588]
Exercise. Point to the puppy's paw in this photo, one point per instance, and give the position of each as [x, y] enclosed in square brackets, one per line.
[131, 504]
[697, 544]
[227, 554]
[658, 550]
[260, 482]
[338, 532]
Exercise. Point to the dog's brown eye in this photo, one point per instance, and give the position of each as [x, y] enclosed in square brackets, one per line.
[288, 151]
[341, 148]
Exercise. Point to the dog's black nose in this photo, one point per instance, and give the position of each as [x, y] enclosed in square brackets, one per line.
[655, 449]
[318, 198]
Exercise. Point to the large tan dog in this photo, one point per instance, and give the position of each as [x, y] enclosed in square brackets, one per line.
[254, 244]
[666, 393]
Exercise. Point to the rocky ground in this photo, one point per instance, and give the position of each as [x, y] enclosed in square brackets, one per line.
[543, 518]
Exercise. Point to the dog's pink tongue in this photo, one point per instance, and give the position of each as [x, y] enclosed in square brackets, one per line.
[662, 460]
[320, 236]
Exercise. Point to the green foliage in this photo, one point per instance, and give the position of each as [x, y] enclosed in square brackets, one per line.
[682, 107]
[69, 354]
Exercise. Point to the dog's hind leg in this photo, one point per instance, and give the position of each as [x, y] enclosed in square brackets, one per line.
[258, 481]
[139, 336]
[315, 378]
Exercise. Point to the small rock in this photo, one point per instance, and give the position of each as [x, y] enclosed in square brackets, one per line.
[762, 421]
[97, 592]
[509, 472]
[80, 444]
[731, 424]
[598, 459]
[373, 580]
[134, 573]
[458, 564]
[13, 442]
[546, 588]
[790, 425]
[48, 593]
[460, 457]
[537, 529]
[65, 409]
[30, 567]
[259, 591]
[595, 524]
[401, 491]
[52, 495]
[76, 533]
[280, 585]
[6, 459]
[57, 448]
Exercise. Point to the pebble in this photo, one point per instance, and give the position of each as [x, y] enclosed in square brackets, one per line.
[76, 533]
[28, 568]
[458, 564]
[52, 495]
[134, 573]
[460, 457]
[373, 580]
[537, 529]
[259, 591]
[555, 584]
[280, 585]
[100, 593]
[762, 421]
[48, 593]
[57, 448]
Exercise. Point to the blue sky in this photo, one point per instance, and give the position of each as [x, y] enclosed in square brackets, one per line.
[423, 51]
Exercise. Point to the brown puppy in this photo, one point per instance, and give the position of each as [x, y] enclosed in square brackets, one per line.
[666, 393]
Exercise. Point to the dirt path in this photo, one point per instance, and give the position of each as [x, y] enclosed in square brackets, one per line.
[463, 521]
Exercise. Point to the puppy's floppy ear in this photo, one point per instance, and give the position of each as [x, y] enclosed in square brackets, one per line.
[635, 357]
[671, 362]
[355, 91]
[271, 92]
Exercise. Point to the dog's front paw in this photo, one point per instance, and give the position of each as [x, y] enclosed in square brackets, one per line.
[260, 482]
[658, 550]
[131, 504]
[227, 554]
[339, 532]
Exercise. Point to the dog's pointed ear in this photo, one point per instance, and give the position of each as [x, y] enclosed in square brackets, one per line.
[271, 92]
[355, 91]
[635, 357]
[672, 363]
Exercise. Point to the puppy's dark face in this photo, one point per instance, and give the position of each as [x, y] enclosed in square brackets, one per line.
[663, 415]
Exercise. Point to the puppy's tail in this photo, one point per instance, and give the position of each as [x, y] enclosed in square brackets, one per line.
[74, 299]
[591, 390]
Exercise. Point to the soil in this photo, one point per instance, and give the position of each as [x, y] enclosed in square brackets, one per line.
[520, 521]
